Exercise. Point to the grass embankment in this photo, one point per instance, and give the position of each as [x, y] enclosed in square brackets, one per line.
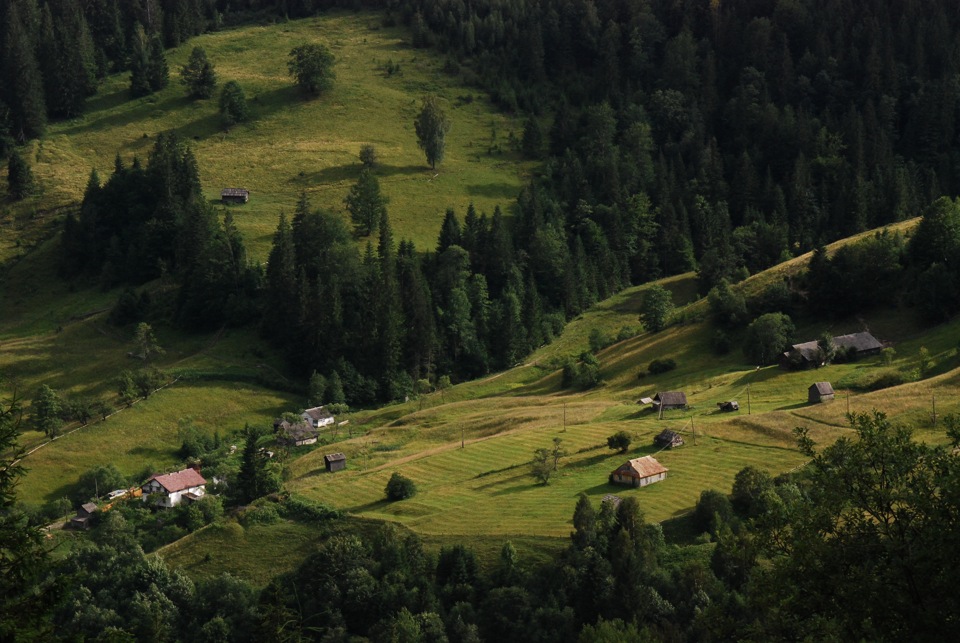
[292, 144]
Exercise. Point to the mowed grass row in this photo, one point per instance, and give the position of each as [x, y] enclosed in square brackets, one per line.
[487, 487]
[292, 144]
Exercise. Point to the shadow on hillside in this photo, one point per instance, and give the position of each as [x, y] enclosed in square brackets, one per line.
[370, 506]
[517, 488]
[63, 491]
[106, 101]
[144, 109]
[269, 103]
[588, 462]
[202, 127]
[790, 407]
[494, 191]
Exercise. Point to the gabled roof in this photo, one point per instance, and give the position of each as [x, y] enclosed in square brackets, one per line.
[671, 398]
[298, 431]
[318, 413]
[334, 457]
[179, 480]
[861, 341]
[667, 434]
[641, 467]
[89, 507]
[234, 192]
[823, 388]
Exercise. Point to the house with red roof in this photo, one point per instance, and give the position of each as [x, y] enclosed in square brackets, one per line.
[175, 487]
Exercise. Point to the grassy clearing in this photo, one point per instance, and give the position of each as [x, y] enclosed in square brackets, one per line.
[292, 144]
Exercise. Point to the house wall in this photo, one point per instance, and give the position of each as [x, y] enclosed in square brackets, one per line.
[338, 465]
[301, 443]
[651, 479]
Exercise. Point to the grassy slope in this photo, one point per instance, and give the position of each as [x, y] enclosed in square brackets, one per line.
[293, 144]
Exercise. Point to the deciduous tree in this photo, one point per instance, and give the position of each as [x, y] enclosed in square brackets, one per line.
[432, 126]
[657, 308]
[233, 104]
[311, 66]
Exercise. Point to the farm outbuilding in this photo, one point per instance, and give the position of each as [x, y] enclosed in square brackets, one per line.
[335, 462]
[728, 406]
[639, 472]
[808, 355]
[820, 392]
[318, 417]
[667, 400]
[234, 195]
[82, 519]
[297, 434]
[668, 439]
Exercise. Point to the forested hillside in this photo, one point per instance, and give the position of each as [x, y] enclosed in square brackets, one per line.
[721, 137]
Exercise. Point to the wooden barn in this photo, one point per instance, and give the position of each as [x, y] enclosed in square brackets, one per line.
[820, 392]
[639, 472]
[297, 434]
[234, 195]
[667, 400]
[668, 439]
[82, 519]
[335, 462]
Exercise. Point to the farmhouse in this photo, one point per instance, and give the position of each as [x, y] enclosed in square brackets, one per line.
[317, 417]
[820, 392]
[82, 519]
[234, 195]
[668, 439]
[807, 354]
[665, 401]
[174, 487]
[335, 462]
[297, 434]
[639, 472]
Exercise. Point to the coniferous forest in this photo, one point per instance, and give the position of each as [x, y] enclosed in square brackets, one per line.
[670, 135]
[673, 136]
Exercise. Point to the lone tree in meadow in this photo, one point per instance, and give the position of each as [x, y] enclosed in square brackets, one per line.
[198, 75]
[399, 487]
[432, 126]
[311, 65]
[47, 411]
[233, 104]
[365, 203]
[146, 341]
[620, 441]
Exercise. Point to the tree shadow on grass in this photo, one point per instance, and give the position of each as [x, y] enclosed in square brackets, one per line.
[143, 109]
[494, 191]
[789, 407]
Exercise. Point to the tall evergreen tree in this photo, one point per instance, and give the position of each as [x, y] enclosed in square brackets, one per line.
[366, 205]
[19, 176]
[23, 83]
[198, 74]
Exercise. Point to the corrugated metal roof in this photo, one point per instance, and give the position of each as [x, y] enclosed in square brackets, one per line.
[179, 480]
[642, 467]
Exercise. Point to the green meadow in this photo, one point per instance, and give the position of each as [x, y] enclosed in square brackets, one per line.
[292, 144]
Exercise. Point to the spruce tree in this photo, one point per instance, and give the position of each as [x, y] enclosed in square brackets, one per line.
[19, 176]
[365, 203]
[198, 75]
[21, 75]
[233, 104]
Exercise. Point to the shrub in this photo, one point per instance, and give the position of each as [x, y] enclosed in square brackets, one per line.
[265, 514]
[599, 340]
[620, 440]
[712, 510]
[659, 366]
[368, 155]
[400, 488]
[303, 510]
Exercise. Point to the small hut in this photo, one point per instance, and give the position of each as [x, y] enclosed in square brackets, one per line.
[335, 462]
[820, 392]
[728, 406]
[234, 195]
[668, 439]
[82, 519]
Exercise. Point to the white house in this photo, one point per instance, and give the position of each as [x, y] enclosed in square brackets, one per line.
[180, 485]
[317, 417]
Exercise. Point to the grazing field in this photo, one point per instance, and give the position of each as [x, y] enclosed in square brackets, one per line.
[292, 144]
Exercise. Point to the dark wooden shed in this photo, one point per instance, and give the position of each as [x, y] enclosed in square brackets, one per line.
[820, 392]
[668, 439]
[234, 195]
[335, 462]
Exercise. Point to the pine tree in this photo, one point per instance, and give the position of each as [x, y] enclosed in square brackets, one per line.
[198, 75]
[19, 176]
[365, 203]
[233, 104]
[21, 75]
